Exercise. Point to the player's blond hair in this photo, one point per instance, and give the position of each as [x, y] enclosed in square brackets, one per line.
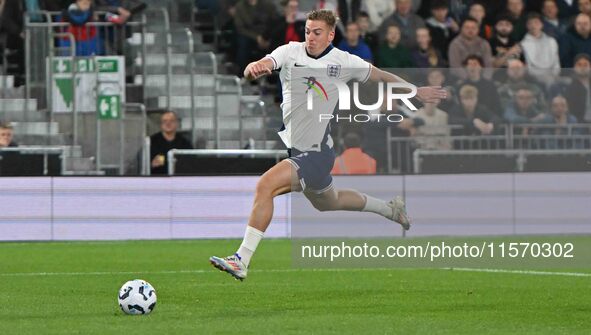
[328, 16]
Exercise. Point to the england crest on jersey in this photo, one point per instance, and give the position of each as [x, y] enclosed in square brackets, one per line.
[333, 71]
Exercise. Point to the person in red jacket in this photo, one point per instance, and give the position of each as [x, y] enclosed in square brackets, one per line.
[353, 160]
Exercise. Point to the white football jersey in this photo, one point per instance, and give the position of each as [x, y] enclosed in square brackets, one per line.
[302, 74]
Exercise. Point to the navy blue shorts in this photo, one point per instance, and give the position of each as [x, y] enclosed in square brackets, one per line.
[313, 168]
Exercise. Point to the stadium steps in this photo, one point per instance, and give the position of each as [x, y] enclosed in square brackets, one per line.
[32, 129]
[174, 47]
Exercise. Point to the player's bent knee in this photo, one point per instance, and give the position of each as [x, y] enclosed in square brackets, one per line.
[263, 188]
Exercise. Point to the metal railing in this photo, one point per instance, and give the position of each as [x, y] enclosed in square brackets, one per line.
[520, 156]
[277, 154]
[191, 64]
[511, 139]
[122, 137]
[218, 80]
[46, 39]
[258, 104]
[49, 94]
[45, 151]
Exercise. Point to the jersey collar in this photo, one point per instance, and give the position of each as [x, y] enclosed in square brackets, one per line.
[324, 53]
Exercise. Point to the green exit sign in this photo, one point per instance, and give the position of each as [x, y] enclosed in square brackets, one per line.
[107, 65]
[109, 107]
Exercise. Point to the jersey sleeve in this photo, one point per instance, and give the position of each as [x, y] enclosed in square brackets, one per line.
[279, 56]
[360, 69]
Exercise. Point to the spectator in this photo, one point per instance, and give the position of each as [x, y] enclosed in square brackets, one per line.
[490, 98]
[119, 13]
[540, 50]
[251, 19]
[560, 137]
[469, 43]
[353, 43]
[578, 93]
[515, 9]
[353, 160]
[392, 54]
[478, 12]
[554, 26]
[585, 7]
[327, 4]
[9, 161]
[11, 25]
[378, 11]
[523, 109]
[425, 55]
[87, 38]
[164, 141]
[406, 21]
[560, 115]
[434, 134]
[442, 27]
[503, 46]
[517, 77]
[567, 8]
[436, 77]
[6, 135]
[289, 28]
[124, 9]
[348, 10]
[458, 9]
[54, 5]
[369, 37]
[577, 40]
[474, 118]
[211, 6]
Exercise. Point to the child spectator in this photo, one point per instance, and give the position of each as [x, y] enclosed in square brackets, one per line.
[88, 41]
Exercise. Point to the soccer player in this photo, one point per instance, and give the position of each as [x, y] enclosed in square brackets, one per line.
[310, 145]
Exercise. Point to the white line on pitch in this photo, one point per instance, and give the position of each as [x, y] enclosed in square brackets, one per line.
[47, 274]
[205, 271]
[524, 272]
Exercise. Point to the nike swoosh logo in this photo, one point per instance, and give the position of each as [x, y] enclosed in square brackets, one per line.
[298, 65]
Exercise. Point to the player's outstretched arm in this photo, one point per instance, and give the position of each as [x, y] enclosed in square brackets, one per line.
[425, 94]
[258, 69]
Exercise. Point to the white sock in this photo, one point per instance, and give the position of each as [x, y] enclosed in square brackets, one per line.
[251, 240]
[377, 206]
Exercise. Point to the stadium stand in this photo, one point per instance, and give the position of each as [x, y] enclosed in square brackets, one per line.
[180, 55]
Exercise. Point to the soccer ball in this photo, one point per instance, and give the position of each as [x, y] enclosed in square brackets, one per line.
[137, 297]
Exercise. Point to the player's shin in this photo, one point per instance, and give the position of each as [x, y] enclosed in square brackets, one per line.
[251, 240]
[377, 206]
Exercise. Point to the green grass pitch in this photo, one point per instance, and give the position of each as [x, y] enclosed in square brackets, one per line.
[71, 288]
